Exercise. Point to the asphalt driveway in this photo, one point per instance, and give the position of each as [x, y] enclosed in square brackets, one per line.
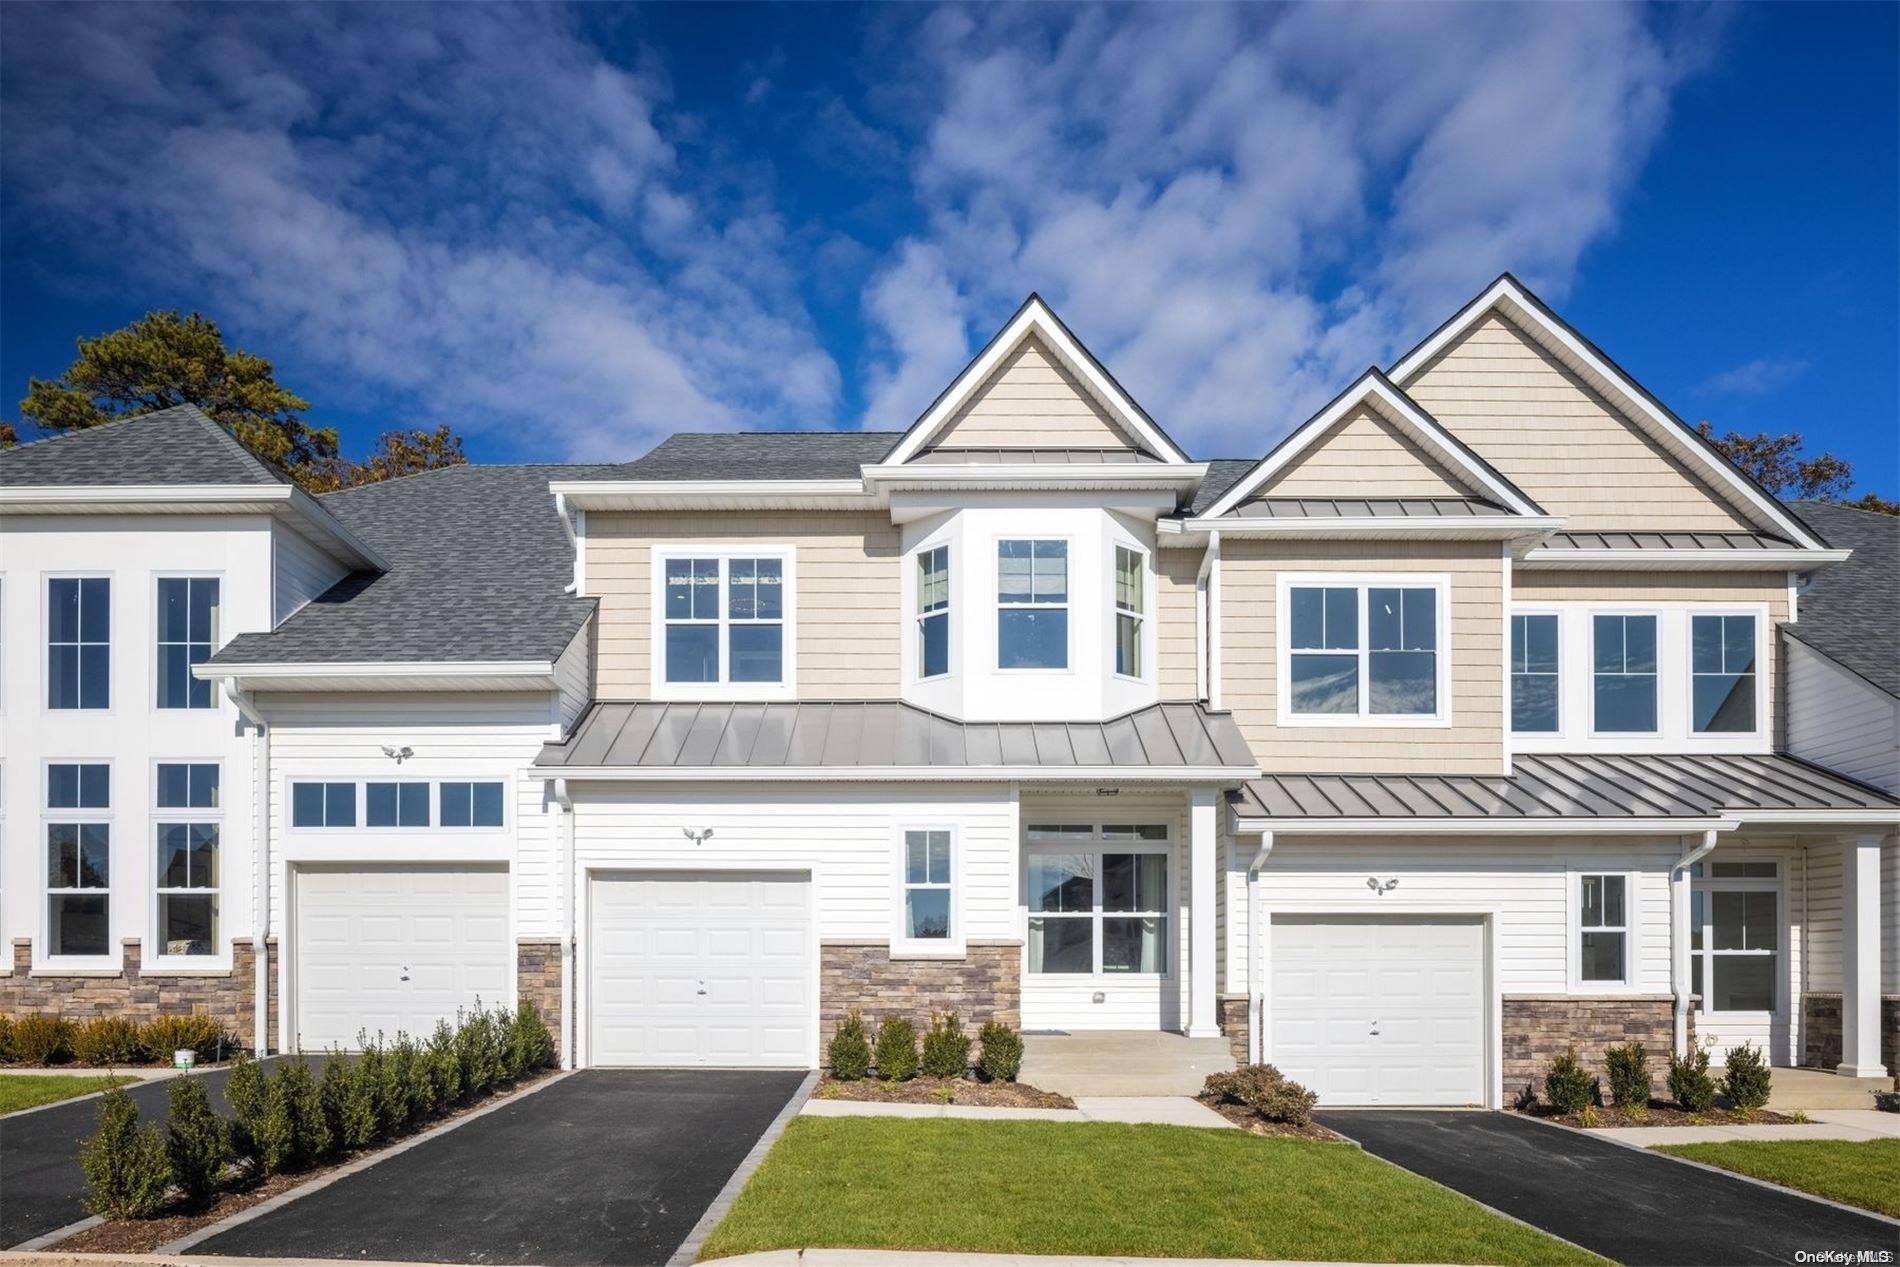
[606, 1166]
[1634, 1207]
[41, 1186]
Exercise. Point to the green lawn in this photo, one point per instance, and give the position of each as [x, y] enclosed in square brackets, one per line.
[30, 1090]
[1865, 1173]
[1105, 1188]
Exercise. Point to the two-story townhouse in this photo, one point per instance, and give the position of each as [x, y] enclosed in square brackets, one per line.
[1439, 738]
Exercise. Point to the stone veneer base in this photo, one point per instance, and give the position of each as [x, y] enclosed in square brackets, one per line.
[1821, 1031]
[1231, 1010]
[1540, 1027]
[538, 981]
[984, 984]
[135, 994]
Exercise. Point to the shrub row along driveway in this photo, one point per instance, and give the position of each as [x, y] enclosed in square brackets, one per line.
[41, 1186]
[1628, 1205]
[607, 1166]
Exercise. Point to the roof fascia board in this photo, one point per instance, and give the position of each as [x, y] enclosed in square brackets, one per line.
[1556, 558]
[1092, 474]
[661, 494]
[898, 774]
[1480, 527]
[1035, 317]
[1481, 826]
[469, 674]
[1526, 309]
[1885, 816]
[1374, 388]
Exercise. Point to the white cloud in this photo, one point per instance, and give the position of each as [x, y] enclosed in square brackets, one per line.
[1755, 378]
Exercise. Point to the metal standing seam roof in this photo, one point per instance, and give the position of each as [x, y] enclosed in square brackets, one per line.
[1666, 541]
[1035, 457]
[1567, 786]
[1366, 508]
[888, 735]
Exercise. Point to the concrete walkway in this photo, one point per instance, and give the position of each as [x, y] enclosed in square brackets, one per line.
[1172, 1110]
[1842, 1124]
[923, 1258]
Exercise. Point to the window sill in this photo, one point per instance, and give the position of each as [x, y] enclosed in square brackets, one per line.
[54, 971]
[1297, 721]
[212, 967]
[723, 693]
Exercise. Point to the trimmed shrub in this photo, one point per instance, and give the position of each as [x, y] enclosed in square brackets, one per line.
[946, 1047]
[1689, 1082]
[530, 1045]
[445, 1067]
[372, 1093]
[163, 1035]
[478, 1050]
[1265, 1090]
[1630, 1087]
[107, 1040]
[1746, 1080]
[6, 1039]
[1001, 1056]
[39, 1039]
[1887, 1101]
[1568, 1087]
[303, 1102]
[127, 1170]
[896, 1050]
[849, 1052]
[358, 1119]
[247, 1091]
[195, 1140]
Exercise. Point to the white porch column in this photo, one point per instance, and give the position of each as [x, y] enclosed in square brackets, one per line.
[1203, 831]
[1860, 959]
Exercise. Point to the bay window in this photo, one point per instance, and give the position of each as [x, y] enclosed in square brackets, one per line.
[1362, 650]
[1130, 606]
[1098, 900]
[722, 619]
[933, 612]
[1032, 604]
[78, 859]
[189, 820]
[1722, 674]
[1623, 677]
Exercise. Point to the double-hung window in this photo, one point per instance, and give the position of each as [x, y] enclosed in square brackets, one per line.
[187, 635]
[78, 859]
[188, 821]
[1363, 650]
[1722, 674]
[1735, 935]
[723, 619]
[933, 612]
[1623, 678]
[1032, 604]
[1098, 900]
[1603, 933]
[1130, 605]
[1534, 675]
[79, 642]
[927, 885]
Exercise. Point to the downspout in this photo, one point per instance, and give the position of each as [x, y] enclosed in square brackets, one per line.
[558, 789]
[260, 855]
[1213, 623]
[573, 542]
[1679, 935]
[1256, 953]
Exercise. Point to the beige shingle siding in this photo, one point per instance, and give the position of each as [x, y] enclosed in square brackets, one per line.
[1472, 744]
[1031, 402]
[1564, 445]
[1363, 457]
[1175, 573]
[847, 584]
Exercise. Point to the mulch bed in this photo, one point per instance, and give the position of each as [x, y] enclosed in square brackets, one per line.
[922, 1090]
[1662, 1113]
[144, 1236]
[1248, 1120]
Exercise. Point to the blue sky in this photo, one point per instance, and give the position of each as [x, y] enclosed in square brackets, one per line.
[570, 232]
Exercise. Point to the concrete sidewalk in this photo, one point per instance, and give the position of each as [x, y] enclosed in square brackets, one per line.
[1842, 1124]
[1168, 1110]
[922, 1258]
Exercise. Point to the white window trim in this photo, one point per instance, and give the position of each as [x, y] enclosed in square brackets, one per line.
[1575, 929]
[952, 947]
[1759, 673]
[1098, 844]
[724, 552]
[220, 956]
[114, 955]
[1708, 883]
[913, 583]
[114, 607]
[1439, 582]
[1144, 622]
[158, 645]
[361, 828]
[997, 606]
[1510, 667]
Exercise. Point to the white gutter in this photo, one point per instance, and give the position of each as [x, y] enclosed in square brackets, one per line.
[1458, 527]
[260, 865]
[1483, 826]
[1256, 954]
[1683, 560]
[1679, 935]
[898, 774]
[558, 790]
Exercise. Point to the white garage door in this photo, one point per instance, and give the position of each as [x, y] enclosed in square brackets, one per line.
[396, 949]
[700, 968]
[1379, 1011]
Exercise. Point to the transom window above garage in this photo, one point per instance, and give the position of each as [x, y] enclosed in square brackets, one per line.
[397, 804]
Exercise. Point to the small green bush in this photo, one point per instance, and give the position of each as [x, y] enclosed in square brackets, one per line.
[310, 1140]
[372, 1091]
[445, 1067]
[479, 1050]
[896, 1050]
[196, 1140]
[163, 1035]
[1746, 1080]
[127, 1171]
[1630, 1087]
[107, 1040]
[946, 1047]
[1887, 1101]
[1568, 1087]
[1001, 1056]
[1265, 1090]
[247, 1091]
[1689, 1082]
[6, 1039]
[530, 1045]
[39, 1039]
[275, 1133]
[849, 1052]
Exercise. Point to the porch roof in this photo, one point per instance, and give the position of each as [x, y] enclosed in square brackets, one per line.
[1659, 792]
[888, 739]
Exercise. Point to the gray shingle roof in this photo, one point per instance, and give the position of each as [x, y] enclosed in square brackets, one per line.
[1222, 474]
[886, 735]
[1567, 786]
[477, 562]
[759, 455]
[1850, 612]
[179, 445]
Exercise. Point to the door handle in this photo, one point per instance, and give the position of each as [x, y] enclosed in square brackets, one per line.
[405, 972]
[702, 987]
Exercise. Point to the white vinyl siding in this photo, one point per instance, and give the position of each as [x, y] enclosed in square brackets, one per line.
[1841, 721]
[299, 571]
[1031, 402]
[1363, 456]
[574, 676]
